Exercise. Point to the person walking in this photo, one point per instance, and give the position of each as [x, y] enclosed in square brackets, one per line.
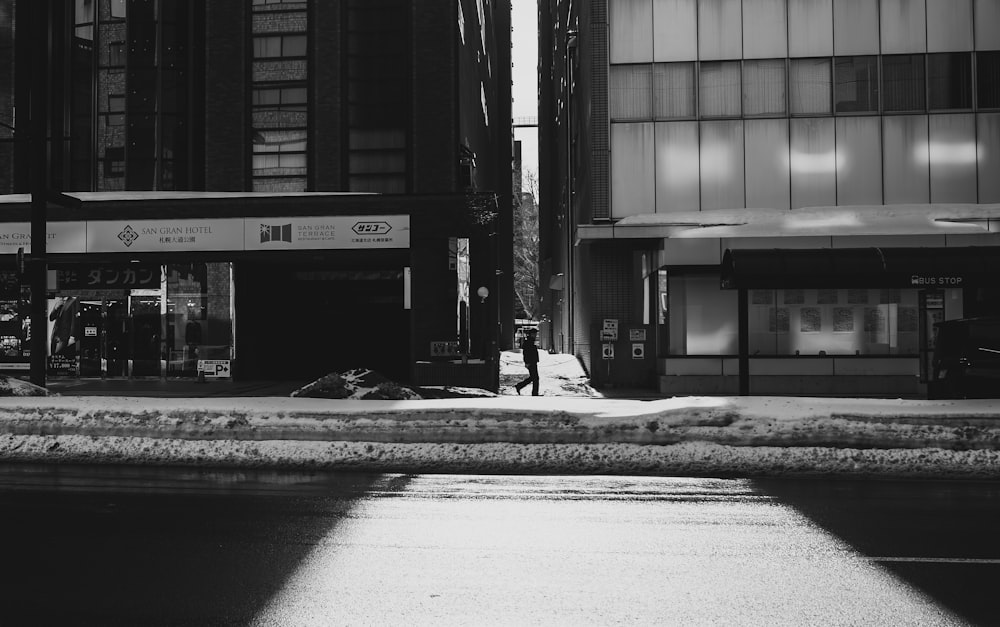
[530, 353]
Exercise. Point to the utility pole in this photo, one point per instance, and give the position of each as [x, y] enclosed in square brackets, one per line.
[37, 267]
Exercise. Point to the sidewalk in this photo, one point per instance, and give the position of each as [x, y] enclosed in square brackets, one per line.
[171, 388]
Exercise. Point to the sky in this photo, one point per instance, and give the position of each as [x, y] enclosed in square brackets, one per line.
[524, 59]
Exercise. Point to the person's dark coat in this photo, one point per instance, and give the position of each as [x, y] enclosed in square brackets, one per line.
[530, 354]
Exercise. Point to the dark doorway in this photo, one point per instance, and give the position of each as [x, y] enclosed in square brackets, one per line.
[295, 323]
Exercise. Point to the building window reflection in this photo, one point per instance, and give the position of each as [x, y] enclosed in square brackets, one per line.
[280, 123]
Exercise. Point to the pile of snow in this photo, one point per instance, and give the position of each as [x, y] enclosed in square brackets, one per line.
[368, 385]
[10, 386]
[360, 383]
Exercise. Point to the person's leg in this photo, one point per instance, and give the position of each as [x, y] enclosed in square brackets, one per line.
[533, 374]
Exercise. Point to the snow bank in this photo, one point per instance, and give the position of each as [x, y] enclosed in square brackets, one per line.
[570, 429]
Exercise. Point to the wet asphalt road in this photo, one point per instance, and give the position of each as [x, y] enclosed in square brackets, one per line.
[128, 546]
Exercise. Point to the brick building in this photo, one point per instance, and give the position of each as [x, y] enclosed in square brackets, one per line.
[315, 185]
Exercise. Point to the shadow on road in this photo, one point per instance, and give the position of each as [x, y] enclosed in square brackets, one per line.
[940, 537]
[107, 546]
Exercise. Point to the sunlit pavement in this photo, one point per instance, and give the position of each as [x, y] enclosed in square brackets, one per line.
[197, 547]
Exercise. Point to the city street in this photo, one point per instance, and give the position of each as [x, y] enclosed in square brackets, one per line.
[141, 546]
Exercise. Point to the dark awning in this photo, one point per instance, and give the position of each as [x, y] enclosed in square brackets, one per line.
[861, 267]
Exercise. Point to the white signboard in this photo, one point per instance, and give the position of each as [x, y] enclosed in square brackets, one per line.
[204, 234]
[609, 335]
[215, 368]
[64, 237]
[637, 335]
[116, 236]
[327, 232]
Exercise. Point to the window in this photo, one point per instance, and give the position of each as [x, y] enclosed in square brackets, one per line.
[279, 152]
[114, 162]
[116, 109]
[673, 90]
[118, 9]
[378, 95]
[988, 80]
[701, 317]
[629, 92]
[719, 89]
[116, 54]
[809, 85]
[280, 98]
[949, 81]
[856, 84]
[283, 46]
[903, 86]
[764, 87]
[833, 322]
[283, 98]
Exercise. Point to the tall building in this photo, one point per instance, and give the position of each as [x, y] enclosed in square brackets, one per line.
[269, 188]
[768, 196]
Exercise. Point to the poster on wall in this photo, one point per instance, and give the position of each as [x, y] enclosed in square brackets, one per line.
[63, 335]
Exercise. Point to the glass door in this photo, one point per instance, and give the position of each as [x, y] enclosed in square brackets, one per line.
[115, 338]
[144, 340]
[91, 328]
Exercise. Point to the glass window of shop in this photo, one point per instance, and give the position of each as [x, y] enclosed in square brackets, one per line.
[834, 322]
[696, 317]
[108, 320]
[15, 324]
[198, 316]
[701, 318]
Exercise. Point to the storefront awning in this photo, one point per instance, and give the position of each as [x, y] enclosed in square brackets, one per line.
[830, 221]
[861, 267]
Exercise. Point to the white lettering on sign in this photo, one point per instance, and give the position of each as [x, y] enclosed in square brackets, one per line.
[214, 368]
[444, 349]
[953, 281]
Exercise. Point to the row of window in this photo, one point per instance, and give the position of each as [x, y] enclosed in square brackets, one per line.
[280, 104]
[688, 165]
[699, 319]
[815, 86]
[709, 30]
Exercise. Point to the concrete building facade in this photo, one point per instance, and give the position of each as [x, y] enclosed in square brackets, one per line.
[768, 196]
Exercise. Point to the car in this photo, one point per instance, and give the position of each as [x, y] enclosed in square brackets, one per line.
[966, 361]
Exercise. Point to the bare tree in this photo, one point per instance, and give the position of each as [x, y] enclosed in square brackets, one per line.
[526, 278]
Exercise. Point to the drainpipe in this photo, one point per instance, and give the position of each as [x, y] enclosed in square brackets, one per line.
[743, 327]
[571, 43]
